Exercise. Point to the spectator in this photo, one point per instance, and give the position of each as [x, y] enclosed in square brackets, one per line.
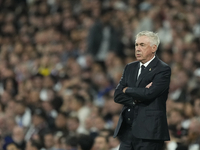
[61, 123]
[103, 37]
[175, 119]
[196, 106]
[10, 85]
[79, 109]
[194, 134]
[38, 124]
[57, 140]
[179, 93]
[23, 114]
[114, 143]
[99, 124]
[73, 125]
[33, 145]
[48, 139]
[85, 142]
[18, 137]
[101, 143]
[71, 143]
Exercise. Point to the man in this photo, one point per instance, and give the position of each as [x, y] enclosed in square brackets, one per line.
[79, 109]
[60, 122]
[194, 133]
[113, 143]
[18, 137]
[48, 138]
[70, 143]
[23, 114]
[38, 126]
[143, 90]
[33, 145]
[101, 143]
[85, 142]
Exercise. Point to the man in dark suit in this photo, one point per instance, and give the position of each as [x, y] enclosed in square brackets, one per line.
[143, 90]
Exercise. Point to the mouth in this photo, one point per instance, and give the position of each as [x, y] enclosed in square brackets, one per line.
[138, 55]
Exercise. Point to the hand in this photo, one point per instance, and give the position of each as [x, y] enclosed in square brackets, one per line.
[124, 90]
[148, 86]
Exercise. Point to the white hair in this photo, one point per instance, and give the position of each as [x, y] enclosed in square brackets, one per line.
[154, 38]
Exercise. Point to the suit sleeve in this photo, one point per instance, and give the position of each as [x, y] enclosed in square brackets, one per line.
[160, 85]
[119, 96]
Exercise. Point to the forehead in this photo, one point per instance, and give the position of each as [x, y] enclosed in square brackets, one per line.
[142, 39]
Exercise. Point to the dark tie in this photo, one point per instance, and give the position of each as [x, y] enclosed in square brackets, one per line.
[142, 69]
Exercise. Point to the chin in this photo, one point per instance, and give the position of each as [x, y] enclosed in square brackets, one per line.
[139, 59]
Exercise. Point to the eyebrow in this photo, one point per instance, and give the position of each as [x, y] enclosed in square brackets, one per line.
[139, 44]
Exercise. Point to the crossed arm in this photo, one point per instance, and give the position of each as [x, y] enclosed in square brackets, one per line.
[137, 101]
[129, 95]
[148, 86]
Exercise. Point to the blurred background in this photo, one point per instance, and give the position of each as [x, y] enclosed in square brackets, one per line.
[60, 61]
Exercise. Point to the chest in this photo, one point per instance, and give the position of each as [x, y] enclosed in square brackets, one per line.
[135, 79]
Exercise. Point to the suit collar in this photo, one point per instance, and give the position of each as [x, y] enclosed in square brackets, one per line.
[147, 70]
[147, 63]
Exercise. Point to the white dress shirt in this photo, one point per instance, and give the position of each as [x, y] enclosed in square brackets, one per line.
[146, 64]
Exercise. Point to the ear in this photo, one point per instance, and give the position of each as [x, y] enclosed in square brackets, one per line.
[154, 48]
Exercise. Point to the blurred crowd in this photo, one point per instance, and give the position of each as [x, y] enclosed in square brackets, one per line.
[60, 61]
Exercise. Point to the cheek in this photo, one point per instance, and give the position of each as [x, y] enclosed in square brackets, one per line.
[146, 52]
[143, 53]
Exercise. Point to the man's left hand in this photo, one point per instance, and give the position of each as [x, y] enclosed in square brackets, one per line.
[149, 85]
[124, 90]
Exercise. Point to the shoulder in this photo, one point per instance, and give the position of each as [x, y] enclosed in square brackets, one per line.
[163, 66]
[134, 63]
[131, 65]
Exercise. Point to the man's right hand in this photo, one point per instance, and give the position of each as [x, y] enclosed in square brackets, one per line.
[148, 86]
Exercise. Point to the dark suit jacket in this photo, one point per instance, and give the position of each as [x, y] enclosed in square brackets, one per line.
[150, 122]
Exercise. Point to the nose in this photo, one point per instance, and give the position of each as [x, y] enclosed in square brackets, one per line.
[137, 48]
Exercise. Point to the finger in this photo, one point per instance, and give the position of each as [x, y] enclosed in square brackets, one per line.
[150, 84]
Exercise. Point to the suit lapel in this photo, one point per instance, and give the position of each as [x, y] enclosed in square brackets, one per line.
[136, 74]
[147, 70]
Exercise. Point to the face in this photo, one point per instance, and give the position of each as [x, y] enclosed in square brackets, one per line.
[99, 123]
[19, 109]
[18, 134]
[143, 50]
[48, 140]
[36, 120]
[176, 118]
[60, 121]
[100, 144]
[72, 125]
[113, 142]
[74, 105]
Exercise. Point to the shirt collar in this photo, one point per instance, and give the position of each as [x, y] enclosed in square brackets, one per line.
[146, 64]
